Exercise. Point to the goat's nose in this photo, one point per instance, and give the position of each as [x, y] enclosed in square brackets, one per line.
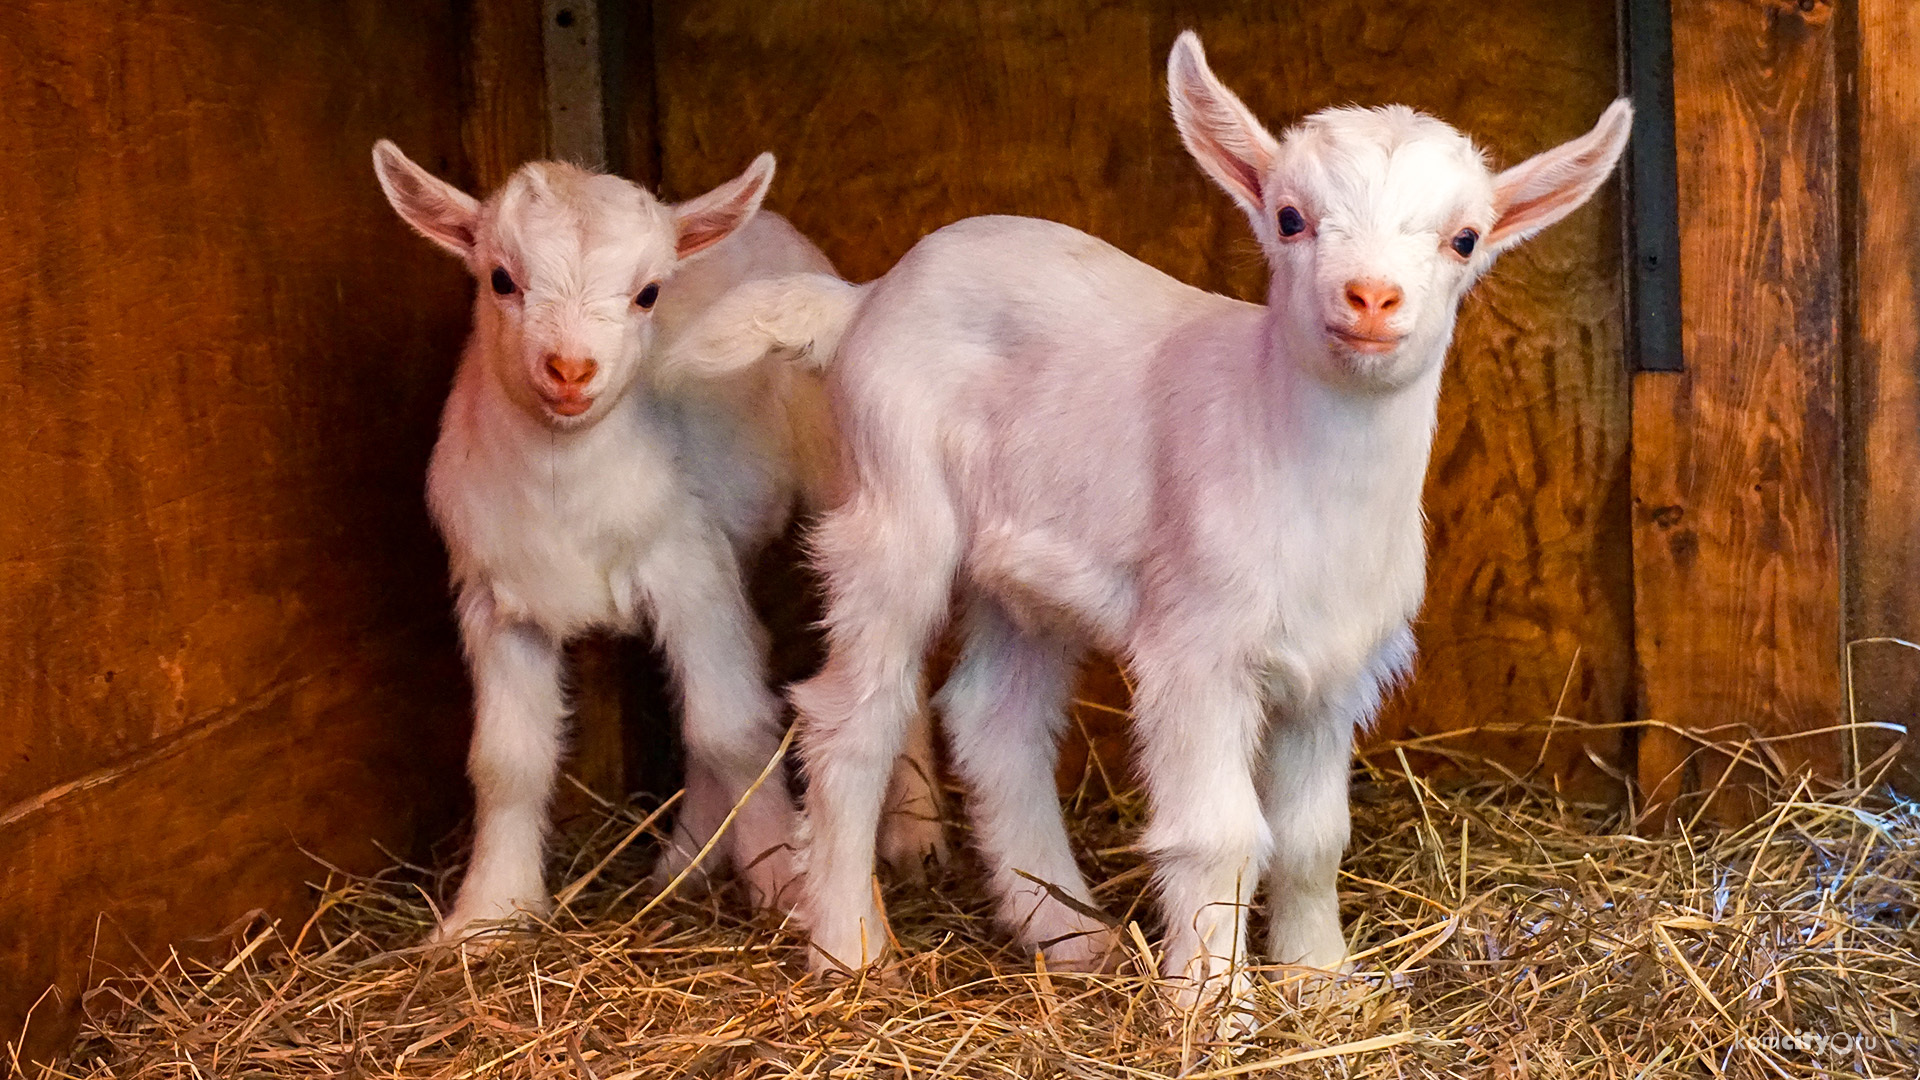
[1369, 296]
[569, 370]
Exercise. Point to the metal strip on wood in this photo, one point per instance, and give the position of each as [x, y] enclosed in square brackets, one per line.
[576, 113]
[1652, 221]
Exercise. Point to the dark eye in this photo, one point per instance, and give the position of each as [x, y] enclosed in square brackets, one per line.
[1463, 242]
[648, 295]
[1291, 222]
[502, 281]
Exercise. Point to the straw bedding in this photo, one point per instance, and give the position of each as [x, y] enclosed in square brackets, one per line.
[1499, 930]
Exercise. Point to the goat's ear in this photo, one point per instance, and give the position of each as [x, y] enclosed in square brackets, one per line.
[705, 220]
[1220, 132]
[1548, 186]
[436, 209]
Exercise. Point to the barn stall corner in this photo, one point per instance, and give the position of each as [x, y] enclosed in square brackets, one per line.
[1637, 811]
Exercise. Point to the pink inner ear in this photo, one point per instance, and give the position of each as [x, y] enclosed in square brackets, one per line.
[437, 213]
[1234, 169]
[699, 233]
[1549, 187]
[1529, 213]
[1216, 133]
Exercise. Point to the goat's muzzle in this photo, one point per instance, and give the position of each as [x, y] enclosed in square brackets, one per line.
[1371, 305]
[563, 386]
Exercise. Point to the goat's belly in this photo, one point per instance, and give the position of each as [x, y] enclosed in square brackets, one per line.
[1311, 669]
[1050, 586]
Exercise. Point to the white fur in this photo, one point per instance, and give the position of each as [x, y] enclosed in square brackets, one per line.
[641, 508]
[1227, 495]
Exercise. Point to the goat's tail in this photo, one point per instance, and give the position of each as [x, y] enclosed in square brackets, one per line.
[799, 317]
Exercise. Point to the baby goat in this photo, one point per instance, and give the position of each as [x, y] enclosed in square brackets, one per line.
[1224, 494]
[574, 496]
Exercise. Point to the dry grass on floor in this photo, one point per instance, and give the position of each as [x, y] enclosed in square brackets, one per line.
[1500, 932]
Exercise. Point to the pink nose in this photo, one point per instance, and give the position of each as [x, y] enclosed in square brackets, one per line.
[1367, 296]
[570, 372]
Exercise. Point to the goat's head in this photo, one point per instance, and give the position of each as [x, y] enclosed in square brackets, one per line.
[570, 265]
[1375, 222]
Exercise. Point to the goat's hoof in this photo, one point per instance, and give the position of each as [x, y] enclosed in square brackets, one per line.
[477, 936]
[1305, 985]
[1093, 952]
[1223, 1004]
[911, 843]
[673, 862]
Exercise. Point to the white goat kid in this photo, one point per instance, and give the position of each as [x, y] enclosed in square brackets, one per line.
[1227, 495]
[574, 496]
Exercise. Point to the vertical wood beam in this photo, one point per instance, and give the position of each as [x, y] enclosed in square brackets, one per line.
[1736, 459]
[1882, 53]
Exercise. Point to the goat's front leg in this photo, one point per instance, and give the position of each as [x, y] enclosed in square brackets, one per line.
[519, 711]
[1199, 724]
[1309, 756]
[717, 651]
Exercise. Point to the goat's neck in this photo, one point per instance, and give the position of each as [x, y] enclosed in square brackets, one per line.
[1360, 445]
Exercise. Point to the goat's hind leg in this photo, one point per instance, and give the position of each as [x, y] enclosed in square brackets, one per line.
[1004, 707]
[703, 806]
[913, 825]
[731, 721]
[888, 572]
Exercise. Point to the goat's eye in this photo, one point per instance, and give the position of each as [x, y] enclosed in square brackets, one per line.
[1463, 242]
[1292, 223]
[648, 295]
[503, 281]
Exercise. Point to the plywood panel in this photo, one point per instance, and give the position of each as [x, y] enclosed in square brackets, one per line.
[1883, 382]
[221, 360]
[1735, 461]
[892, 120]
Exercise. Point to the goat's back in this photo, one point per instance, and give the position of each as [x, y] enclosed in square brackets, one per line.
[1032, 369]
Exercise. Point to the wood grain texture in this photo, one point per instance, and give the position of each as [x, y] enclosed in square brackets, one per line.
[1883, 380]
[503, 121]
[892, 120]
[221, 360]
[1735, 461]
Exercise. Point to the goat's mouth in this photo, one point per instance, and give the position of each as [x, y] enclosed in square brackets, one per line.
[1365, 343]
[569, 406]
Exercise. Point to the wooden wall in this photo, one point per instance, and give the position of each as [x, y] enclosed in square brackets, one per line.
[221, 361]
[892, 120]
[1882, 508]
[221, 358]
[1736, 460]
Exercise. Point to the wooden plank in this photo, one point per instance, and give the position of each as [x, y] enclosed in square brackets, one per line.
[347, 765]
[892, 120]
[221, 362]
[1883, 382]
[1735, 461]
[626, 63]
[504, 121]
